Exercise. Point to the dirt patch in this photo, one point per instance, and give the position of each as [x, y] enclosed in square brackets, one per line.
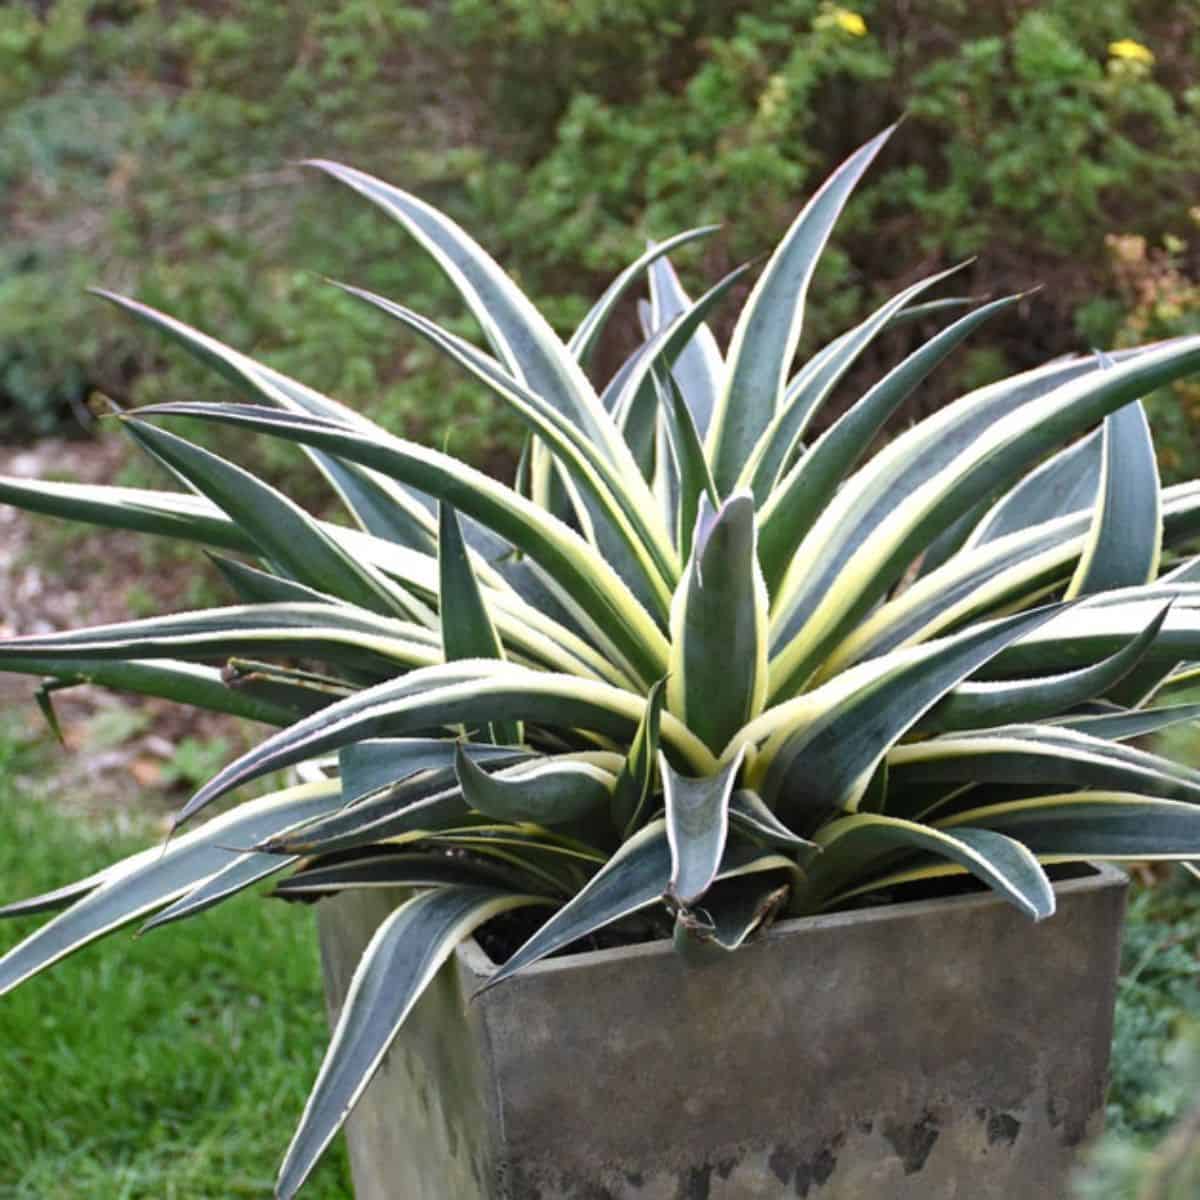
[120, 751]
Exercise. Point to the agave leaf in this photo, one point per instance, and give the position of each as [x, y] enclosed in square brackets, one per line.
[467, 629]
[749, 813]
[635, 784]
[252, 586]
[193, 518]
[243, 872]
[281, 530]
[1185, 679]
[486, 832]
[812, 386]
[303, 691]
[185, 517]
[953, 537]
[825, 746]
[720, 602]
[147, 881]
[768, 330]
[665, 482]
[583, 340]
[942, 439]
[1002, 863]
[735, 911]
[1104, 825]
[687, 451]
[367, 766]
[391, 870]
[405, 811]
[852, 554]
[517, 332]
[1145, 682]
[1100, 626]
[532, 628]
[631, 394]
[1065, 483]
[1000, 576]
[613, 614]
[1029, 755]
[397, 966]
[621, 501]
[333, 631]
[176, 515]
[1120, 726]
[976, 705]
[663, 347]
[378, 505]
[632, 879]
[1123, 546]
[546, 792]
[60, 897]
[453, 694]
[182, 682]
[1068, 739]
[699, 367]
[949, 432]
[1187, 571]
[697, 827]
[808, 487]
[996, 576]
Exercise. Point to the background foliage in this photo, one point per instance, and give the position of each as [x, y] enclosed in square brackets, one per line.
[149, 146]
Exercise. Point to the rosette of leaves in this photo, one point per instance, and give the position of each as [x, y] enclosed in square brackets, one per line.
[696, 667]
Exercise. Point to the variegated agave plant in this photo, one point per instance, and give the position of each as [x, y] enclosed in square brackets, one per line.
[695, 668]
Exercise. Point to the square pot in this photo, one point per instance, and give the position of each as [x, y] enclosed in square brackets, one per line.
[917, 1051]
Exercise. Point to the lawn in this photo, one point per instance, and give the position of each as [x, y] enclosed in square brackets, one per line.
[169, 1067]
[173, 1067]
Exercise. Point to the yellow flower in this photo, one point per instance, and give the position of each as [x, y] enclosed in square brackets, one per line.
[1131, 51]
[850, 22]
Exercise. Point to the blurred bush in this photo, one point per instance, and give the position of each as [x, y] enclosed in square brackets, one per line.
[148, 144]
[1151, 1146]
[1161, 298]
[1127, 1168]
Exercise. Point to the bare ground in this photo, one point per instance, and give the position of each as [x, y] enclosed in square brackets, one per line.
[121, 752]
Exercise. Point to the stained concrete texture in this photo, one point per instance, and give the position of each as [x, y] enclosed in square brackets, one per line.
[922, 1051]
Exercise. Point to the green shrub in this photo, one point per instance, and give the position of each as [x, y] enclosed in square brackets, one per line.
[147, 147]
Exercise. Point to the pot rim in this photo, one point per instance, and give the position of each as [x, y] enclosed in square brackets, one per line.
[1101, 877]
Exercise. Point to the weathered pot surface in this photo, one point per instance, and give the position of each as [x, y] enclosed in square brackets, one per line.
[934, 1049]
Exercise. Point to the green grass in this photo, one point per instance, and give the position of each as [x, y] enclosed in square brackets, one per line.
[174, 1067]
[170, 1067]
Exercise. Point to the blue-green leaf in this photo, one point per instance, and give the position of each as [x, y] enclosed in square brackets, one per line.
[698, 368]
[697, 827]
[583, 340]
[768, 330]
[153, 878]
[828, 743]
[718, 662]
[281, 530]
[467, 629]
[398, 964]
[849, 844]
[1123, 546]
[552, 791]
[635, 784]
[976, 705]
[807, 488]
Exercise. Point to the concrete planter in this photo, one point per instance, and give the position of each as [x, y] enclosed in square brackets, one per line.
[929, 1050]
